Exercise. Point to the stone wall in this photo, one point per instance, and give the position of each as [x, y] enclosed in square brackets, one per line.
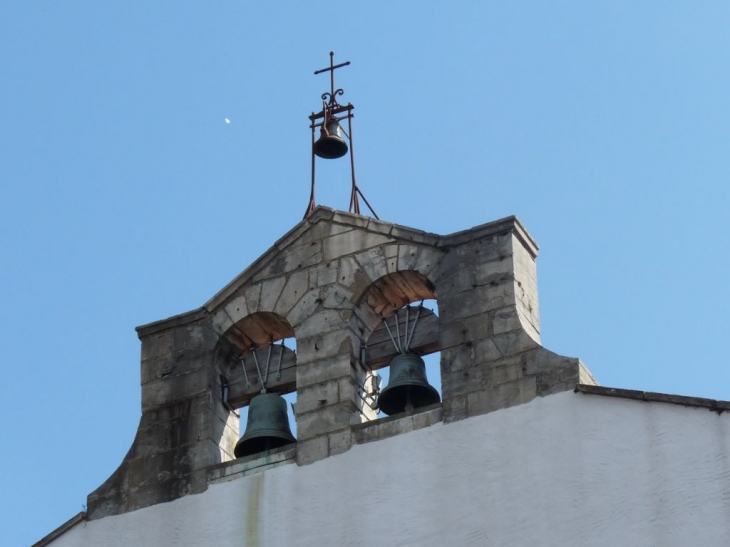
[328, 283]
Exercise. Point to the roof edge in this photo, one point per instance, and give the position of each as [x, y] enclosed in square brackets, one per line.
[170, 322]
[65, 527]
[494, 227]
[321, 213]
[715, 405]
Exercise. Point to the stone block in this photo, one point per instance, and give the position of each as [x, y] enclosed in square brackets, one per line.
[312, 450]
[502, 396]
[412, 234]
[336, 296]
[321, 322]
[481, 376]
[237, 308]
[427, 418]
[379, 226]
[455, 408]
[270, 291]
[396, 425]
[157, 344]
[366, 433]
[296, 286]
[174, 364]
[515, 341]
[194, 336]
[321, 371]
[340, 441]
[220, 321]
[253, 294]
[458, 282]
[323, 420]
[346, 271]
[304, 308]
[316, 396]
[351, 242]
[506, 320]
[352, 219]
[372, 263]
[427, 262]
[295, 258]
[327, 345]
[173, 388]
[323, 274]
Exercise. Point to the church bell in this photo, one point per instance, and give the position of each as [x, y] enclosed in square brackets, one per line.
[330, 144]
[408, 387]
[267, 426]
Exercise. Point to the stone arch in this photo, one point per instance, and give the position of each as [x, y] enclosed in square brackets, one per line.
[255, 333]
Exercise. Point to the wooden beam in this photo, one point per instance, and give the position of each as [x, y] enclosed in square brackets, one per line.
[380, 349]
[241, 392]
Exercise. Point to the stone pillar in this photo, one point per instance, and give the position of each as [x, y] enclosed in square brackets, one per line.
[184, 427]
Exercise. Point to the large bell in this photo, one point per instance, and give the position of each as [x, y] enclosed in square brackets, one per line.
[330, 144]
[408, 387]
[267, 426]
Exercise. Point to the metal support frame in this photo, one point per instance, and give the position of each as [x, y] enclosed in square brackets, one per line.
[330, 111]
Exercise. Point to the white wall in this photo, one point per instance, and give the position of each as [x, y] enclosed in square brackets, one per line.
[565, 470]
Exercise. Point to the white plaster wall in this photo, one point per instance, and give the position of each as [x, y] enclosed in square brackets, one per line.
[565, 470]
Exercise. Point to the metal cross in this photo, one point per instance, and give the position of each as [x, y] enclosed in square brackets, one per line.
[331, 69]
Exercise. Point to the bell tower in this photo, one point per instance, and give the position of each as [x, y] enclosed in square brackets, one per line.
[348, 288]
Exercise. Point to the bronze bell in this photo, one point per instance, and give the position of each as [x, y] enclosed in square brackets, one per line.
[408, 387]
[330, 144]
[267, 426]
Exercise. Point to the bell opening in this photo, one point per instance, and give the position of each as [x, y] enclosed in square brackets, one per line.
[408, 387]
[268, 424]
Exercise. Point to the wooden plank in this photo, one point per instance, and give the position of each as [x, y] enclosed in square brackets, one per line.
[240, 392]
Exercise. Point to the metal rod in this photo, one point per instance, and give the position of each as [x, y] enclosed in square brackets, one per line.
[268, 361]
[367, 202]
[311, 205]
[395, 344]
[415, 322]
[397, 329]
[405, 334]
[281, 354]
[258, 370]
[354, 204]
[245, 374]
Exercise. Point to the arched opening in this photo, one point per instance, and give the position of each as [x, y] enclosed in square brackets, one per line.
[398, 320]
[257, 360]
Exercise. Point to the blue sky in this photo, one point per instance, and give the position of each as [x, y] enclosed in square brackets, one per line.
[126, 197]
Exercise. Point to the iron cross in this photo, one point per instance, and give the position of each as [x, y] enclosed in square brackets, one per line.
[331, 70]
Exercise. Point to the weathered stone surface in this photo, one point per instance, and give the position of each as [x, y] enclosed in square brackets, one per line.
[236, 309]
[328, 282]
[296, 286]
[317, 396]
[502, 396]
[327, 345]
[270, 292]
[323, 370]
[340, 441]
[351, 242]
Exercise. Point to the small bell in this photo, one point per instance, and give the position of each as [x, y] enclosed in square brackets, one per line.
[408, 387]
[330, 144]
[267, 426]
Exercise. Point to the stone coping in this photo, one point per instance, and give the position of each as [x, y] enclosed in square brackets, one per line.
[70, 523]
[653, 397]
[397, 424]
[254, 463]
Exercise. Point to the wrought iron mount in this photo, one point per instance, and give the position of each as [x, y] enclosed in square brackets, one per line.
[333, 112]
